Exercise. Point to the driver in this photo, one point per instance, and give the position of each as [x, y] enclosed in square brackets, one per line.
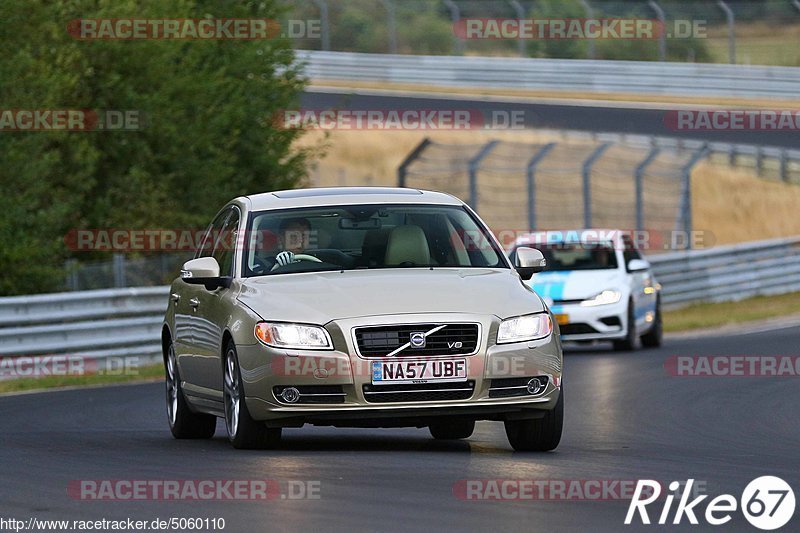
[294, 235]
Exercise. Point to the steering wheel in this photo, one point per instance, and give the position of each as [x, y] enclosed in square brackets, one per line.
[300, 257]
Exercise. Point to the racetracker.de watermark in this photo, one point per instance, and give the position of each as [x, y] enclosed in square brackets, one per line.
[41, 366]
[251, 490]
[210, 29]
[402, 119]
[544, 29]
[550, 489]
[71, 120]
[742, 366]
[733, 120]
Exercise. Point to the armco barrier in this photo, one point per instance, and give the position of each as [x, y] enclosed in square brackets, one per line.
[127, 322]
[592, 76]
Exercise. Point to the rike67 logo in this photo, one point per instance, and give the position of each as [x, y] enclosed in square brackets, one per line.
[767, 503]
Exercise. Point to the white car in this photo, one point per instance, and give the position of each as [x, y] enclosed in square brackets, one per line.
[598, 286]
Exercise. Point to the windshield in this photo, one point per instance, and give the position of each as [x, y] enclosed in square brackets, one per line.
[366, 237]
[578, 256]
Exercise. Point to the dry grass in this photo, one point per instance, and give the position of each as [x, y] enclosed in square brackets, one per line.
[732, 204]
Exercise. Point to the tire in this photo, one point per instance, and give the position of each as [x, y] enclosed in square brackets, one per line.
[183, 423]
[629, 342]
[653, 338]
[458, 428]
[540, 434]
[243, 432]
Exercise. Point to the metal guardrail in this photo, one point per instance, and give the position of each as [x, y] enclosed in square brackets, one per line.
[126, 323]
[728, 273]
[593, 76]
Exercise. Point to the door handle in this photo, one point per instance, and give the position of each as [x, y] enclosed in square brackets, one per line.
[175, 297]
[194, 302]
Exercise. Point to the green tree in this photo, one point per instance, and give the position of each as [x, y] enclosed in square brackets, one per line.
[208, 133]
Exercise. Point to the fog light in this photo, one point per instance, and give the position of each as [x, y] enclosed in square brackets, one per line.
[535, 386]
[291, 395]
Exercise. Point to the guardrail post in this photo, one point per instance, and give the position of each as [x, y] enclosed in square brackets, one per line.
[391, 25]
[326, 27]
[455, 16]
[686, 193]
[662, 39]
[639, 177]
[731, 31]
[118, 265]
[474, 164]
[587, 182]
[402, 170]
[732, 156]
[521, 15]
[530, 176]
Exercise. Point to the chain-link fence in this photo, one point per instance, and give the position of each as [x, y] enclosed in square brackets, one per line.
[563, 185]
[730, 31]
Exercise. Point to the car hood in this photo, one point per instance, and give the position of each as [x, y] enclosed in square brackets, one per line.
[576, 284]
[320, 297]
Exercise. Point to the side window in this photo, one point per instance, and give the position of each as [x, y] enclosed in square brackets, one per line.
[225, 243]
[207, 244]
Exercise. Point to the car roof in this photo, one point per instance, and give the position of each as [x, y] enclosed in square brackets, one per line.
[325, 196]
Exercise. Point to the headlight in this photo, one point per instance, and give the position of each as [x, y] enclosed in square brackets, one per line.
[524, 328]
[604, 298]
[296, 336]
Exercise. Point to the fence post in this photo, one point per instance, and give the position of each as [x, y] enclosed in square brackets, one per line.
[639, 177]
[391, 25]
[686, 193]
[118, 265]
[326, 27]
[759, 161]
[520, 15]
[71, 269]
[402, 170]
[589, 15]
[731, 31]
[531, 181]
[587, 183]
[455, 16]
[474, 163]
[662, 39]
[783, 162]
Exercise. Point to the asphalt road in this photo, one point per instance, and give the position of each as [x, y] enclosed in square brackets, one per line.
[626, 419]
[590, 118]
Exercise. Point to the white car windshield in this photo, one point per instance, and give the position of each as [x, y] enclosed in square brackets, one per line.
[578, 256]
[366, 237]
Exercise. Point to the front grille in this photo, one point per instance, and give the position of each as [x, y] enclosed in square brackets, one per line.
[576, 329]
[453, 339]
[426, 392]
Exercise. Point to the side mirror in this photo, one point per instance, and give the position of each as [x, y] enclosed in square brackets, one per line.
[528, 262]
[203, 271]
[637, 265]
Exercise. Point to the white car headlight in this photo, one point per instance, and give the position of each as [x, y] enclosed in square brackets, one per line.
[296, 336]
[606, 297]
[525, 328]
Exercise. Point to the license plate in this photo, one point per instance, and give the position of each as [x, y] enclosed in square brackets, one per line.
[562, 320]
[428, 371]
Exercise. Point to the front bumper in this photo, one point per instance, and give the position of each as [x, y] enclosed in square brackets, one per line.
[264, 368]
[602, 322]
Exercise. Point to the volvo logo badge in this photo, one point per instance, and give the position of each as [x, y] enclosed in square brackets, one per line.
[418, 339]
